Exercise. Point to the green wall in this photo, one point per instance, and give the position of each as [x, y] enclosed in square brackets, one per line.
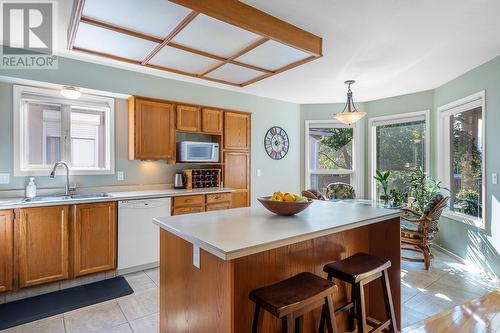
[478, 246]
[276, 175]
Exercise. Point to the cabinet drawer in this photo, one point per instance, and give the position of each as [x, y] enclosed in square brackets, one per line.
[218, 206]
[188, 210]
[189, 200]
[218, 197]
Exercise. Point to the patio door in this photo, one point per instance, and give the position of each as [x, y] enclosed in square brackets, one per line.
[400, 144]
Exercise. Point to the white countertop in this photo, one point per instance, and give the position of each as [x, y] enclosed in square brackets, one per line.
[234, 233]
[11, 203]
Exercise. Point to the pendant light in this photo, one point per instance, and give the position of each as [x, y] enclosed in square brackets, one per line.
[350, 115]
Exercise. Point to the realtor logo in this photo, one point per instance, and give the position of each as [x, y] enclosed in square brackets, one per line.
[28, 35]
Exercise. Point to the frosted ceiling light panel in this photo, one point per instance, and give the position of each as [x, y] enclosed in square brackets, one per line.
[185, 61]
[272, 55]
[107, 41]
[234, 73]
[152, 17]
[216, 37]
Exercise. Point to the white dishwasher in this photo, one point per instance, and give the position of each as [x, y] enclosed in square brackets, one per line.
[138, 236]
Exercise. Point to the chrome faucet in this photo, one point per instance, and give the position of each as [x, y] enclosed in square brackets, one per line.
[67, 187]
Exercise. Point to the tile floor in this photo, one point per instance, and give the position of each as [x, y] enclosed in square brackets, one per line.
[136, 313]
[448, 283]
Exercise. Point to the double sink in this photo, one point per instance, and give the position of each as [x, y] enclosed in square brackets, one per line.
[37, 201]
[67, 197]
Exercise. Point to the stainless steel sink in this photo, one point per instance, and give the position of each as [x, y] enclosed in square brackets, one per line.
[48, 198]
[90, 196]
[68, 197]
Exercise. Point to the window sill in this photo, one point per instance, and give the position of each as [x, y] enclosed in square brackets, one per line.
[465, 219]
[72, 172]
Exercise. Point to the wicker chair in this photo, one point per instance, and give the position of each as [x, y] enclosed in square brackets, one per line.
[418, 230]
[313, 194]
[340, 191]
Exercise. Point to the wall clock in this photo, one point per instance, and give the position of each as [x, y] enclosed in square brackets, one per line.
[276, 143]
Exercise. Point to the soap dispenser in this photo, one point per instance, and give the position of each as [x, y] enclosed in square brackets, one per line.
[31, 188]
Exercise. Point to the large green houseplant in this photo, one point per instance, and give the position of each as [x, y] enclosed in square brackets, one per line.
[423, 188]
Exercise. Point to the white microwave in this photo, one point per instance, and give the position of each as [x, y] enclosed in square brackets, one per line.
[191, 151]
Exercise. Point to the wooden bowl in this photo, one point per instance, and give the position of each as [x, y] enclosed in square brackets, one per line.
[284, 208]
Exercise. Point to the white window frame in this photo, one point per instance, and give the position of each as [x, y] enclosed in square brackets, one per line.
[356, 152]
[399, 118]
[53, 96]
[443, 151]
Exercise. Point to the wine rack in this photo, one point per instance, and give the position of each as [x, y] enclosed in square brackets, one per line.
[202, 178]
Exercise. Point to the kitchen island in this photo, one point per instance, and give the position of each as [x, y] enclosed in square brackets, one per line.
[210, 262]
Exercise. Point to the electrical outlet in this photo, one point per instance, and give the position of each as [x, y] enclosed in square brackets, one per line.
[120, 176]
[494, 178]
[4, 178]
[259, 172]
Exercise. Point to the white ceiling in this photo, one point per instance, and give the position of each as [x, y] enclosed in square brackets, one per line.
[390, 47]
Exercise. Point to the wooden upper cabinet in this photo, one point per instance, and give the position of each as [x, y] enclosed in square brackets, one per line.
[151, 130]
[236, 130]
[41, 238]
[211, 121]
[188, 118]
[6, 249]
[93, 238]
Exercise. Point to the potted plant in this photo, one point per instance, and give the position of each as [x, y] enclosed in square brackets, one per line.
[423, 188]
[382, 177]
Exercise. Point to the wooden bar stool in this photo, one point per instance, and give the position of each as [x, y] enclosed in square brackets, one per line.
[359, 270]
[290, 299]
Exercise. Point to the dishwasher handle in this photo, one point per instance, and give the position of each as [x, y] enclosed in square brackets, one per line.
[144, 204]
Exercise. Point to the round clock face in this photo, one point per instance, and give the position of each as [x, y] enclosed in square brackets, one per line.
[276, 143]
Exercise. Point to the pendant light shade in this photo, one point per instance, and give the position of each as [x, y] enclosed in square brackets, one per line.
[350, 114]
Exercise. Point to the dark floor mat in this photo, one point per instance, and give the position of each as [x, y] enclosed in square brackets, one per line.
[43, 306]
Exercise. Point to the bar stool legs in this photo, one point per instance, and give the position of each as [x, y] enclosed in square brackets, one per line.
[360, 270]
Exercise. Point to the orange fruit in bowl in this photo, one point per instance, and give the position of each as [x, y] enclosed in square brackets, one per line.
[289, 197]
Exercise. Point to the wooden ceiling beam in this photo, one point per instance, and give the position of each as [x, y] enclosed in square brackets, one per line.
[137, 62]
[171, 35]
[74, 22]
[121, 30]
[249, 18]
[236, 55]
[282, 69]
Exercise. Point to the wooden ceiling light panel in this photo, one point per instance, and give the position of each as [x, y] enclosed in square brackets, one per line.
[224, 41]
[90, 37]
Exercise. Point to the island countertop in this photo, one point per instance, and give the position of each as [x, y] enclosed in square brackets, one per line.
[234, 233]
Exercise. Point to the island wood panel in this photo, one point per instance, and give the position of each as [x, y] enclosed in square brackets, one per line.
[94, 238]
[192, 299]
[261, 269]
[6, 249]
[41, 241]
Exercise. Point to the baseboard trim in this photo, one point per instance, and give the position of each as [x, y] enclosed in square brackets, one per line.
[451, 254]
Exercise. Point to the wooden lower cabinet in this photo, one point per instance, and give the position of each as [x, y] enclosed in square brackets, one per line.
[6, 249]
[240, 198]
[200, 203]
[41, 240]
[93, 238]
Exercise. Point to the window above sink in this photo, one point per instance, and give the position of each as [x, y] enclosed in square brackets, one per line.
[49, 128]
